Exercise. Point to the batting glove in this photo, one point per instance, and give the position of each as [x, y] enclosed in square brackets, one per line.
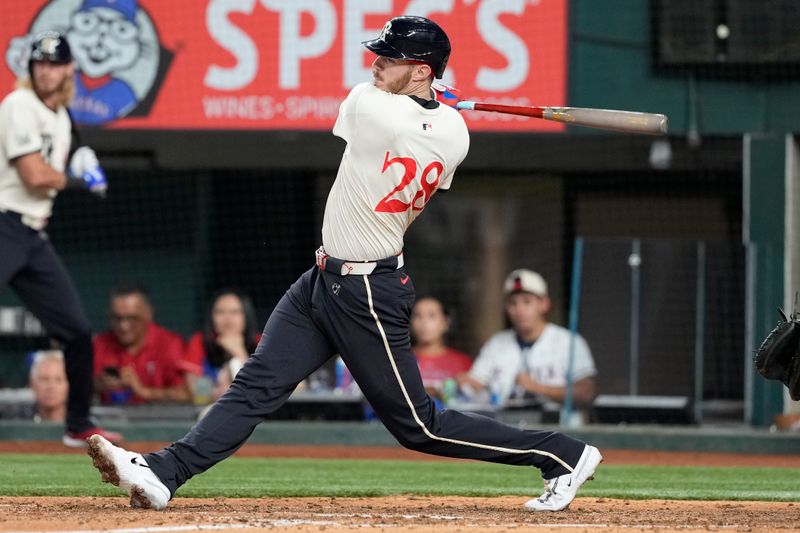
[85, 166]
[445, 94]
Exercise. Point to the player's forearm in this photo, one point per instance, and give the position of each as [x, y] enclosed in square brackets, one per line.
[38, 175]
[47, 180]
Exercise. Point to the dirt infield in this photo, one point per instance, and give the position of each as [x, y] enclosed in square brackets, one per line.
[397, 514]
[404, 513]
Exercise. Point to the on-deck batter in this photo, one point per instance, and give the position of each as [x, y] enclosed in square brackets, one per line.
[35, 141]
[402, 147]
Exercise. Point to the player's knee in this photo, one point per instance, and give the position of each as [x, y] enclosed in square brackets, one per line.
[414, 433]
[411, 442]
[413, 438]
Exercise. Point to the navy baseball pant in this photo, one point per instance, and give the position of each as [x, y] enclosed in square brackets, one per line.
[30, 265]
[365, 319]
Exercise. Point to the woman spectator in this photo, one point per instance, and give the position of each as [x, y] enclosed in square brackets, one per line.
[216, 354]
[438, 363]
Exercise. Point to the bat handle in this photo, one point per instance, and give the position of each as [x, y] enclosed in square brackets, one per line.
[466, 105]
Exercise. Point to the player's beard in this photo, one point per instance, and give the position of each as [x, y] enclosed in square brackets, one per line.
[397, 86]
[65, 89]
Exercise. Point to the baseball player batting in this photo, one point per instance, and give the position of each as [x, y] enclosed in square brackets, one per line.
[402, 147]
[36, 161]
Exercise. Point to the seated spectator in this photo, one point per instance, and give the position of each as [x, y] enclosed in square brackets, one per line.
[532, 357]
[137, 361]
[219, 351]
[437, 361]
[48, 380]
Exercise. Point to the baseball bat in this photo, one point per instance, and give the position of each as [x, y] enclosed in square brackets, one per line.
[607, 119]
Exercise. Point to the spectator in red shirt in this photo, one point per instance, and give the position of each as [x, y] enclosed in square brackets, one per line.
[437, 361]
[137, 361]
[219, 351]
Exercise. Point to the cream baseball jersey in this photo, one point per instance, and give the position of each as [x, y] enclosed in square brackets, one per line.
[502, 358]
[398, 155]
[28, 126]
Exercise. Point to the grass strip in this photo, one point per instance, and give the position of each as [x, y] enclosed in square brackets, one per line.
[73, 475]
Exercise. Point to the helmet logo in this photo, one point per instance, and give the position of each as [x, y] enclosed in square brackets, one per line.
[387, 29]
[49, 45]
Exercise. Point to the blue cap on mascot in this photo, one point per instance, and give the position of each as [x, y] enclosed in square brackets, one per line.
[126, 7]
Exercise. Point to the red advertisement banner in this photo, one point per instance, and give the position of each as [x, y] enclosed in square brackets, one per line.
[280, 64]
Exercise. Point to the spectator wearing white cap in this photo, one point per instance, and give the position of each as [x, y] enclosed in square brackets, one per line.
[531, 357]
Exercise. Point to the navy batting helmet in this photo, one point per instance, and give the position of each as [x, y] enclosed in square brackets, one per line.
[415, 39]
[50, 46]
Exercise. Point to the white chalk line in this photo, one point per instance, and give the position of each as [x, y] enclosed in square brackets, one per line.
[200, 527]
[289, 522]
[285, 522]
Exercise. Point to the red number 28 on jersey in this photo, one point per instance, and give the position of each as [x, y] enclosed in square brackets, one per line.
[419, 190]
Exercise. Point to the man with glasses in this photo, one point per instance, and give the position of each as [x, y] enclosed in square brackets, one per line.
[137, 361]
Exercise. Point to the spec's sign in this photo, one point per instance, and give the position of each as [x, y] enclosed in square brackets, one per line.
[280, 64]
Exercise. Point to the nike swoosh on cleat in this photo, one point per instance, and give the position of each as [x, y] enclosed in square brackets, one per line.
[135, 462]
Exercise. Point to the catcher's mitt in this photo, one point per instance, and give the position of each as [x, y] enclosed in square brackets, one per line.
[778, 357]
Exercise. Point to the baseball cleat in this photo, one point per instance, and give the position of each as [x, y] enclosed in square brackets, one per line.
[560, 491]
[128, 471]
[78, 439]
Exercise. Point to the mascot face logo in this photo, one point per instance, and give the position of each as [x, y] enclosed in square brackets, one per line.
[103, 41]
[118, 58]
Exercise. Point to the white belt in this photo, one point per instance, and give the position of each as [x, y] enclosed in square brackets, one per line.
[366, 268]
[356, 268]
